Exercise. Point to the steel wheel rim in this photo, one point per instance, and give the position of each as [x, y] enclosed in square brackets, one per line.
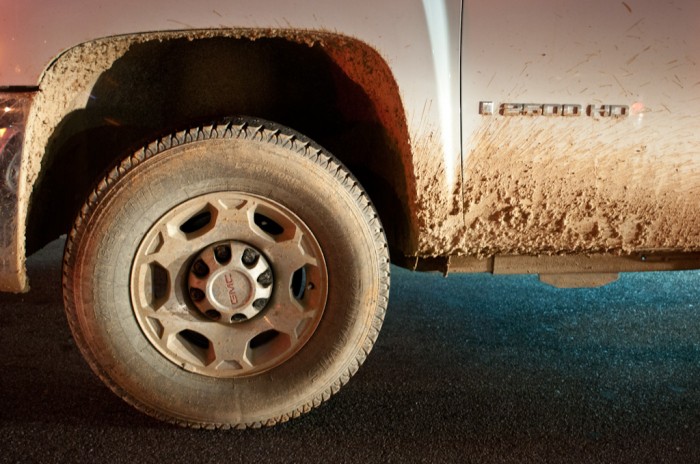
[166, 269]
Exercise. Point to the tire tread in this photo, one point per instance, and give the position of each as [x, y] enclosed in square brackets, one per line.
[250, 129]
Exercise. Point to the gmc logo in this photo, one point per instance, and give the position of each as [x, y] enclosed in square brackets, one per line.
[231, 289]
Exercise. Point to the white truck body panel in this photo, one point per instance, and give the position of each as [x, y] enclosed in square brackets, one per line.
[538, 184]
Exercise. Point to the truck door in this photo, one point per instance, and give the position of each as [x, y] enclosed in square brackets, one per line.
[579, 126]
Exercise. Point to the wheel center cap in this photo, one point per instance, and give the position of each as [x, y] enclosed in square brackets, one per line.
[230, 282]
[229, 290]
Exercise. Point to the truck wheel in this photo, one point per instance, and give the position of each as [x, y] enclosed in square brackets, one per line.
[234, 275]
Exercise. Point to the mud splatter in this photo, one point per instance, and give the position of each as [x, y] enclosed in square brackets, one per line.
[13, 107]
[537, 186]
[439, 209]
[66, 84]
[365, 67]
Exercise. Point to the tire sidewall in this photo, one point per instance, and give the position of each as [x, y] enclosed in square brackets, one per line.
[111, 233]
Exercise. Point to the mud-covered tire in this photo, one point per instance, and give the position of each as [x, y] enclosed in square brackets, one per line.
[129, 276]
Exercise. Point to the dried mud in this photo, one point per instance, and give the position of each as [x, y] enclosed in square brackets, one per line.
[551, 186]
[67, 82]
[11, 136]
[365, 67]
[439, 209]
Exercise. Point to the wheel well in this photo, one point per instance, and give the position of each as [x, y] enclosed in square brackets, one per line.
[337, 91]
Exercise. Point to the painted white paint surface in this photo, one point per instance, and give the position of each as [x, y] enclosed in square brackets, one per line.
[643, 54]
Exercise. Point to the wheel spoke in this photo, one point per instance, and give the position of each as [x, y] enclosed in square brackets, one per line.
[230, 349]
[288, 318]
[291, 255]
[227, 346]
[235, 218]
[173, 249]
[170, 246]
[171, 322]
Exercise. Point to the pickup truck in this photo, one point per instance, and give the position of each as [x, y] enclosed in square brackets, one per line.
[235, 178]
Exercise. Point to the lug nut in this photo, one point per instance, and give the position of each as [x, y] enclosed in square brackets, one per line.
[238, 317]
[265, 279]
[196, 294]
[260, 303]
[222, 253]
[213, 314]
[200, 268]
[250, 257]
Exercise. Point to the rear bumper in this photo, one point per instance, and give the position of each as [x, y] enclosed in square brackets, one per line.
[14, 108]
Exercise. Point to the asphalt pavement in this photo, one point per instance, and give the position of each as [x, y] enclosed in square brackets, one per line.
[469, 368]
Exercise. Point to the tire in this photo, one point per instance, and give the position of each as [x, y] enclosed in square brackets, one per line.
[234, 275]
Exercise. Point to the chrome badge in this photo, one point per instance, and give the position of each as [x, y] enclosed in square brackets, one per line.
[488, 108]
